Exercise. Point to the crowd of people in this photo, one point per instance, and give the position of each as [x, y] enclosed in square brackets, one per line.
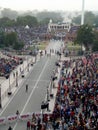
[77, 97]
[29, 34]
[76, 104]
[7, 65]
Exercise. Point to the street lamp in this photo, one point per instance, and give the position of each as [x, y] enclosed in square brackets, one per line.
[9, 92]
[48, 94]
[0, 97]
[27, 65]
[16, 78]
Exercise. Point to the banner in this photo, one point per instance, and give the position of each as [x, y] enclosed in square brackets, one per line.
[24, 116]
[2, 120]
[12, 118]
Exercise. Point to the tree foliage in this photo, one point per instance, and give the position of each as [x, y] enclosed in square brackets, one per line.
[27, 20]
[45, 21]
[10, 40]
[77, 20]
[6, 22]
[11, 14]
[89, 18]
[85, 36]
[95, 46]
[55, 16]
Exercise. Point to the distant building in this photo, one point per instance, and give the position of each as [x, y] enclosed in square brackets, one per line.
[57, 27]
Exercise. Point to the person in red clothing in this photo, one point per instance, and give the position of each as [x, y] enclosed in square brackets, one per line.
[72, 113]
[28, 125]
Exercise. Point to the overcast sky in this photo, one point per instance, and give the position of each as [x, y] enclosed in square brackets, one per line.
[65, 5]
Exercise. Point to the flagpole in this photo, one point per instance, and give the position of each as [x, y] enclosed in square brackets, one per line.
[82, 15]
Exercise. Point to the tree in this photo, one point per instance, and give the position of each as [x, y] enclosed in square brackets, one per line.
[11, 14]
[45, 21]
[77, 20]
[2, 37]
[27, 20]
[95, 44]
[89, 18]
[55, 16]
[18, 45]
[6, 22]
[10, 39]
[85, 36]
[96, 21]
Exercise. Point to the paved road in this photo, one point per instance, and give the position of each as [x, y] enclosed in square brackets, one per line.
[37, 80]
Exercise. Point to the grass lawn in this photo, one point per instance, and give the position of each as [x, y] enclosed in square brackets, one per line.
[42, 45]
[73, 47]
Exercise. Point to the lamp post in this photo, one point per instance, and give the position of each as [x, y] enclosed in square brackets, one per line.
[51, 85]
[0, 97]
[16, 78]
[27, 65]
[48, 94]
[9, 92]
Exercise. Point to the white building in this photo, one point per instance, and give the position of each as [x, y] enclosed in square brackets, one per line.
[65, 26]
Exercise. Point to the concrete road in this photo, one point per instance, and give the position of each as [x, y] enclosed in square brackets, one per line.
[30, 101]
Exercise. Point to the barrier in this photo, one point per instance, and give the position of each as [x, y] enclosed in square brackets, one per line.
[2, 120]
[24, 116]
[12, 118]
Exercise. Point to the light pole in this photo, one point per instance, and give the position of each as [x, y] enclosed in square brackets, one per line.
[27, 65]
[0, 97]
[48, 94]
[16, 78]
[51, 85]
[9, 92]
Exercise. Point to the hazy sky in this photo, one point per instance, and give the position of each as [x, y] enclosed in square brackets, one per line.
[65, 5]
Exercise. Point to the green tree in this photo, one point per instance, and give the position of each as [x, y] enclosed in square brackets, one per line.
[2, 37]
[96, 21]
[11, 14]
[10, 39]
[45, 21]
[77, 20]
[89, 18]
[85, 36]
[18, 45]
[95, 46]
[27, 20]
[6, 22]
[55, 16]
